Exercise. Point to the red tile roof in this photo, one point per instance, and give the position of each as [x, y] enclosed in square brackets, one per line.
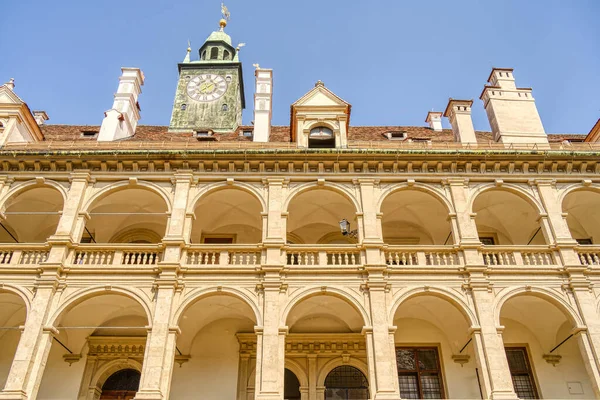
[279, 134]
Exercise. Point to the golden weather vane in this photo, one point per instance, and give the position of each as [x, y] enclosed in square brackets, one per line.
[225, 12]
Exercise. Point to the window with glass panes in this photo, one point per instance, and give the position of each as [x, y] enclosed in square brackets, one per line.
[419, 374]
[520, 371]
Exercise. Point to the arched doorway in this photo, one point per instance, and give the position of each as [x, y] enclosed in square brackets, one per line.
[346, 383]
[291, 386]
[122, 385]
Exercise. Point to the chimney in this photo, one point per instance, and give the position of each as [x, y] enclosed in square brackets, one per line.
[40, 117]
[459, 114]
[434, 119]
[263, 96]
[511, 110]
[121, 120]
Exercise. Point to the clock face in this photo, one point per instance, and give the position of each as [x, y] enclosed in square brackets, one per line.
[207, 87]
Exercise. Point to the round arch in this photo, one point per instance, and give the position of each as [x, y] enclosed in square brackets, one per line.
[577, 187]
[199, 294]
[18, 291]
[81, 295]
[297, 369]
[327, 186]
[421, 187]
[329, 291]
[338, 362]
[509, 187]
[112, 367]
[317, 123]
[29, 185]
[216, 187]
[553, 298]
[124, 185]
[442, 293]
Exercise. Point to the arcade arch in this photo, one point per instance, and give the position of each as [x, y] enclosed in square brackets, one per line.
[534, 324]
[128, 214]
[314, 216]
[209, 328]
[414, 217]
[230, 215]
[505, 218]
[113, 318]
[431, 329]
[583, 215]
[13, 313]
[31, 215]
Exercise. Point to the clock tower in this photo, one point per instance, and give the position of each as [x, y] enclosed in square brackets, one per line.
[210, 91]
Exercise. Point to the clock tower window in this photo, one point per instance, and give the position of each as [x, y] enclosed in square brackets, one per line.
[226, 55]
[214, 53]
[203, 55]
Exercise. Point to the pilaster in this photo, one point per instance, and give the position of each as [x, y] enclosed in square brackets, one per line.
[489, 346]
[160, 346]
[176, 224]
[34, 345]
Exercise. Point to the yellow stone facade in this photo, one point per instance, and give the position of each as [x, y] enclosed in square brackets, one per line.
[217, 269]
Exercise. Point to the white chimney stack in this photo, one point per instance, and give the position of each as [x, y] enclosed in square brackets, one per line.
[263, 100]
[40, 117]
[121, 120]
[511, 110]
[434, 119]
[459, 114]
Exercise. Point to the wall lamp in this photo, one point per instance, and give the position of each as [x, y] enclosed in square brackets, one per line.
[345, 229]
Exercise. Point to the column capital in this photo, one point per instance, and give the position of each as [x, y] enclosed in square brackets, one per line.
[80, 176]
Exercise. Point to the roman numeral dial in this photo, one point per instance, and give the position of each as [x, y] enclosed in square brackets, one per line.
[206, 87]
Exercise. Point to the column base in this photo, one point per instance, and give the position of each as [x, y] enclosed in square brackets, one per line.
[149, 395]
[268, 396]
[386, 396]
[497, 395]
[13, 395]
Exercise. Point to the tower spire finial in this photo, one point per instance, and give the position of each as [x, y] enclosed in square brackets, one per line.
[226, 16]
[189, 50]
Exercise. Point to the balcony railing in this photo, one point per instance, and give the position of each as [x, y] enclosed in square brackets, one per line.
[326, 256]
[422, 255]
[589, 255]
[115, 254]
[23, 254]
[222, 255]
[322, 255]
[519, 255]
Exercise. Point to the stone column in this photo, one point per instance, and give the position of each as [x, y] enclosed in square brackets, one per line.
[159, 355]
[312, 376]
[270, 347]
[489, 346]
[557, 225]
[589, 335]
[34, 345]
[174, 240]
[382, 357]
[464, 221]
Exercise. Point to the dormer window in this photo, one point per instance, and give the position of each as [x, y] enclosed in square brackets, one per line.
[321, 137]
[214, 53]
[396, 135]
[205, 135]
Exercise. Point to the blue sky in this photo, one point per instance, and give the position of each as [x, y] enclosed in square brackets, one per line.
[393, 60]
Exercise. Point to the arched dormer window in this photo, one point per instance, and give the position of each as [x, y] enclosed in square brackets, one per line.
[214, 53]
[226, 55]
[321, 137]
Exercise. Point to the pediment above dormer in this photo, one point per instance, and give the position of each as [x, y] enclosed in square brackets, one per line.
[17, 123]
[321, 110]
[320, 96]
[7, 96]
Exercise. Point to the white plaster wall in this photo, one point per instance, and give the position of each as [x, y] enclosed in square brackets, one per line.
[551, 381]
[459, 382]
[60, 381]
[212, 372]
[8, 346]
